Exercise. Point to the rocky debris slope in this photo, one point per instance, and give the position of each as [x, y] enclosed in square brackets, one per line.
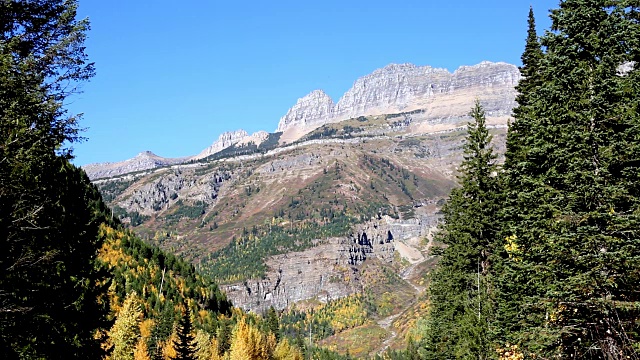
[405, 87]
[145, 160]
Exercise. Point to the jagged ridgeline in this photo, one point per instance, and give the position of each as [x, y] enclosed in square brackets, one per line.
[249, 211]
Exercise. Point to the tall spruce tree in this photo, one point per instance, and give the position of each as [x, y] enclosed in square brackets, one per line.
[185, 343]
[531, 78]
[460, 291]
[49, 211]
[568, 287]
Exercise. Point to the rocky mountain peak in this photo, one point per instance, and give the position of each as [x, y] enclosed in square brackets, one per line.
[146, 154]
[401, 87]
[225, 140]
[393, 68]
[308, 110]
[145, 160]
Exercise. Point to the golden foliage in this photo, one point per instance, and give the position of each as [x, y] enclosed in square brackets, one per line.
[284, 351]
[141, 352]
[215, 355]
[512, 248]
[145, 328]
[249, 343]
[203, 346]
[168, 351]
[125, 331]
[510, 352]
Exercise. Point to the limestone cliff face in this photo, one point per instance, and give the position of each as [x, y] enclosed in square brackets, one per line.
[143, 161]
[225, 140]
[257, 138]
[405, 87]
[440, 95]
[309, 110]
[393, 87]
[328, 270]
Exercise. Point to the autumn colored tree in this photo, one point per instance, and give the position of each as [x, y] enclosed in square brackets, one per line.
[249, 343]
[285, 351]
[141, 352]
[125, 334]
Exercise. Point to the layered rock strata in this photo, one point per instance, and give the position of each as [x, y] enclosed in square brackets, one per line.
[327, 271]
[406, 87]
[225, 140]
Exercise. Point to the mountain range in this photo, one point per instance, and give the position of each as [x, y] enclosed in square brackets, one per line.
[341, 200]
[442, 97]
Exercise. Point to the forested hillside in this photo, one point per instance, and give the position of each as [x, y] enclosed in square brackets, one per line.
[541, 257]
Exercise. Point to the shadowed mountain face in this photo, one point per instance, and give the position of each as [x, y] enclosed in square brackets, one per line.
[298, 214]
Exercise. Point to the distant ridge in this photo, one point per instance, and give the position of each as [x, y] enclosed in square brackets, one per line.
[143, 161]
[394, 88]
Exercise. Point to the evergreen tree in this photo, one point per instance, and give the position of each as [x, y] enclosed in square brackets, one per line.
[273, 324]
[49, 211]
[459, 287]
[161, 331]
[531, 78]
[185, 342]
[568, 287]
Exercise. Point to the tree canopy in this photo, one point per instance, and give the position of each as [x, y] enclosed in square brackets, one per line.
[49, 210]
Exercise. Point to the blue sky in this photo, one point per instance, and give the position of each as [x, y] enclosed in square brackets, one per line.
[173, 75]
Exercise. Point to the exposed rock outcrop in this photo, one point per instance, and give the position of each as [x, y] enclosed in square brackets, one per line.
[225, 140]
[257, 138]
[311, 110]
[405, 87]
[327, 271]
[172, 187]
[440, 95]
[143, 161]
